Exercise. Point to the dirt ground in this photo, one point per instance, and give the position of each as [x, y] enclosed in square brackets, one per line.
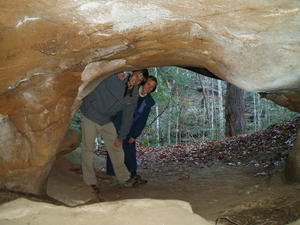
[232, 193]
[238, 180]
[235, 195]
[232, 181]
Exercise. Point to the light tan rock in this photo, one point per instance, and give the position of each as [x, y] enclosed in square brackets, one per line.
[53, 53]
[126, 212]
[68, 187]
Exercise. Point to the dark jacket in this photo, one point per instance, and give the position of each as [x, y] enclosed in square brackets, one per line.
[107, 99]
[140, 116]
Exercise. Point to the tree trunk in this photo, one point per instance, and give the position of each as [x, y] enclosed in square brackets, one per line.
[157, 116]
[234, 111]
[177, 118]
[204, 98]
[254, 112]
[169, 126]
[157, 125]
[259, 112]
[221, 110]
[170, 87]
[212, 113]
[292, 169]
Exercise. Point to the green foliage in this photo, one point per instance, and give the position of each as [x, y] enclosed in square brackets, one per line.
[190, 108]
[192, 115]
[75, 122]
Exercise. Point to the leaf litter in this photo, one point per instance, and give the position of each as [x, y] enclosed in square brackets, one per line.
[264, 150]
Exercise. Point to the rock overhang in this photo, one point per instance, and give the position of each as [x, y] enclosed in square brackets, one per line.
[54, 52]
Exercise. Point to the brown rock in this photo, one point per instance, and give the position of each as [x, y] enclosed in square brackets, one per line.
[54, 52]
[70, 142]
[289, 99]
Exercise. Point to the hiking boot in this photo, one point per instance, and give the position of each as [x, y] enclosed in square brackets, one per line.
[139, 179]
[95, 188]
[129, 183]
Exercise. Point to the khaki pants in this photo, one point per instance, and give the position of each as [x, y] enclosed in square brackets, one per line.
[91, 130]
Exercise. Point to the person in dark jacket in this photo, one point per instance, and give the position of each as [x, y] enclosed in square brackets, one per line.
[109, 97]
[145, 103]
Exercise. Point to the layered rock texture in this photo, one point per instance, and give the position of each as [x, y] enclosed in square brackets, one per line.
[53, 53]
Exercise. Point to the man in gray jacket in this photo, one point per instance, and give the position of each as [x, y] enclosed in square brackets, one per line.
[109, 97]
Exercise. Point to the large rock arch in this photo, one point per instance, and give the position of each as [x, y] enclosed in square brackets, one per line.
[53, 53]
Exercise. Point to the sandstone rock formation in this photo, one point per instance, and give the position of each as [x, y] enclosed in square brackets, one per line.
[289, 99]
[54, 52]
[126, 212]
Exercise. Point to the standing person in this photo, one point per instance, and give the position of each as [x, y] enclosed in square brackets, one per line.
[145, 102]
[109, 97]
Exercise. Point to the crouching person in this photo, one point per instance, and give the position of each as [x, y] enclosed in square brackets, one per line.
[109, 97]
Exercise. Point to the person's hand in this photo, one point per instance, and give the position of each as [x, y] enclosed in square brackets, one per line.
[121, 75]
[118, 143]
[131, 140]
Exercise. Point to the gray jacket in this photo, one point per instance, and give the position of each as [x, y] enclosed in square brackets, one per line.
[107, 99]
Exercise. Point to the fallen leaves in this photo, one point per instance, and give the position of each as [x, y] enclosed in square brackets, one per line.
[265, 149]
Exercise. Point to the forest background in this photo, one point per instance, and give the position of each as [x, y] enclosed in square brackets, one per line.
[191, 108]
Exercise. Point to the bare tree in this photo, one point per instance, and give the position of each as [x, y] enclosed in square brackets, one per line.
[221, 109]
[234, 111]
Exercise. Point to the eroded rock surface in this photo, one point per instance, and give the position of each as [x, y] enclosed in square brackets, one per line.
[126, 212]
[54, 52]
[289, 99]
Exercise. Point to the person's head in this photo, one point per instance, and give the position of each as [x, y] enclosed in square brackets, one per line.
[138, 76]
[150, 85]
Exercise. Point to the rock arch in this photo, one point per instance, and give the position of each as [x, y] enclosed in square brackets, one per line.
[53, 52]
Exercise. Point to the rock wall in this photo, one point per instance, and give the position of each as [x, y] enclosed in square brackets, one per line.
[54, 52]
[34, 121]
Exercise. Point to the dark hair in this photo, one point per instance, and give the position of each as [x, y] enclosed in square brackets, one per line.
[145, 76]
[153, 79]
[144, 72]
